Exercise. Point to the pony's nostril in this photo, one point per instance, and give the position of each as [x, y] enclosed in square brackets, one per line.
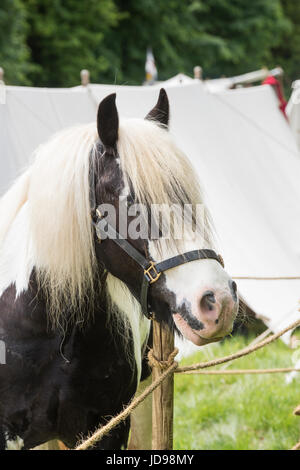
[208, 300]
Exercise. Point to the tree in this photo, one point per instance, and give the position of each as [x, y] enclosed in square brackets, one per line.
[224, 37]
[66, 36]
[48, 42]
[287, 53]
[14, 52]
[235, 36]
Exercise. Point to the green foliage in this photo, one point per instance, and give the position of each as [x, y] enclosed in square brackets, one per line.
[14, 53]
[48, 42]
[224, 37]
[237, 412]
[235, 36]
[66, 36]
[287, 53]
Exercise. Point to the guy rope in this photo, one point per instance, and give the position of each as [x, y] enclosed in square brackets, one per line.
[167, 367]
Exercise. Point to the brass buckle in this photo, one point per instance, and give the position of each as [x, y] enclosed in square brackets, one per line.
[151, 273]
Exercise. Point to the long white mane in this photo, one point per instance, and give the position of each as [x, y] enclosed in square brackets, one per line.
[56, 189]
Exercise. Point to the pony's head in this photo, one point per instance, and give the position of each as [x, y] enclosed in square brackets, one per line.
[143, 186]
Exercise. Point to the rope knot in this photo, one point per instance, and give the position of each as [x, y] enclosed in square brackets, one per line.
[162, 365]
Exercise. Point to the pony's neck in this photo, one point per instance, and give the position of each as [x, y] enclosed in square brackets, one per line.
[112, 298]
[123, 306]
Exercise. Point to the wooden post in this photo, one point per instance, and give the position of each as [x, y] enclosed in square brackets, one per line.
[198, 72]
[85, 77]
[2, 87]
[163, 396]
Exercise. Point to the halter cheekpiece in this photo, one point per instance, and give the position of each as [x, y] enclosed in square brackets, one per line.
[151, 269]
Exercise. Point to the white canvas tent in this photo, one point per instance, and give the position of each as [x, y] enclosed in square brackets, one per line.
[179, 79]
[221, 84]
[293, 111]
[28, 116]
[217, 85]
[241, 147]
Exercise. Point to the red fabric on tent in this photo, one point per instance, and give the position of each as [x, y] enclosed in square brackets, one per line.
[270, 80]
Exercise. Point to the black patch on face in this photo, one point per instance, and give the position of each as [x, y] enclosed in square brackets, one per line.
[233, 289]
[109, 177]
[192, 321]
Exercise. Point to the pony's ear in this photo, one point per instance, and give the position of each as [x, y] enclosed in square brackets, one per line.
[160, 112]
[108, 121]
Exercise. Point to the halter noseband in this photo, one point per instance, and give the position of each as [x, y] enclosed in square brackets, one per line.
[151, 269]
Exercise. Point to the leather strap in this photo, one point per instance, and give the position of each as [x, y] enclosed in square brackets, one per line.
[105, 230]
[186, 258]
[151, 270]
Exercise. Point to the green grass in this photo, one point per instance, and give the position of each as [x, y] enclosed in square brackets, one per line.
[237, 412]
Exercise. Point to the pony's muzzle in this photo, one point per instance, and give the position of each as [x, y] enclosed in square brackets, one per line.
[216, 310]
[210, 315]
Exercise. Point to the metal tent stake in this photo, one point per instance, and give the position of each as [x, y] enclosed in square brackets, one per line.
[163, 396]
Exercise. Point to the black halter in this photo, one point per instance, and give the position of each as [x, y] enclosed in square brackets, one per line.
[151, 270]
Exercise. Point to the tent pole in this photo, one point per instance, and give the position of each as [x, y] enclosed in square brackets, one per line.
[198, 72]
[2, 76]
[85, 77]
